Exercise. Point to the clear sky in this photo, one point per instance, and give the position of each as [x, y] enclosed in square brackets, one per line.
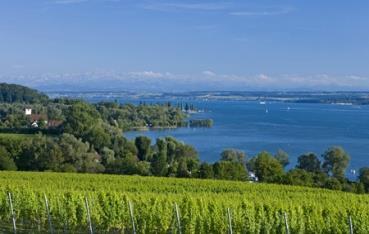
[203, 45]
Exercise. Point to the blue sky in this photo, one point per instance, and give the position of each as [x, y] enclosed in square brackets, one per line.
[200, 45]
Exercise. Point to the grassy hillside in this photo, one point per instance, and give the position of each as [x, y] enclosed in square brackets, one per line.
[202, 205]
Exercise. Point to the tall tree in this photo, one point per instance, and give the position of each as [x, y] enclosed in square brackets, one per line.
[309, 162]
[40, 154]
[206, 171]
[282, 158]
[159, 164]
[335, 162]
[98, 136]
[267, 168]
[299, 177]
[80, 119]
[6, 162]
[228, 170]
[233, 155]
[364, 177]
[143, 145]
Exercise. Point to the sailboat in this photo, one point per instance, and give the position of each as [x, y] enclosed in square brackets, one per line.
[264, 103]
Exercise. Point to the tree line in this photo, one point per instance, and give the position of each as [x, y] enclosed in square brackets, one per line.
[327, 171]
[168, 157]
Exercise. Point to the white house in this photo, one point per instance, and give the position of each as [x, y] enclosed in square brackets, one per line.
[28, 111]
[253, 177]
[34, 124]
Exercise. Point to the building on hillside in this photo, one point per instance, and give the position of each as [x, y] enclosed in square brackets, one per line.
[34, 124]
[41, 120]
[49, 123]
[38, 120]
[52, 123]
[28, 111]
[253, 177]
[38, 117]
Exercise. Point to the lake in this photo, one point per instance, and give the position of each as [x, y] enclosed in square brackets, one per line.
[293, 127]
[296, 128]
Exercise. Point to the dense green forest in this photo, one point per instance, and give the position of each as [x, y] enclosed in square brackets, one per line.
[76, 136]
[11, 93]
[59, 114]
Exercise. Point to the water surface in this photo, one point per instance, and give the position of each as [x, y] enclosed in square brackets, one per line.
[295, 128]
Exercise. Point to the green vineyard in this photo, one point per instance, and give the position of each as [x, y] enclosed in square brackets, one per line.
[84, 203]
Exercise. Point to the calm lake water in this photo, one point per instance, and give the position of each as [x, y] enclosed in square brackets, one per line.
[295, 128]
